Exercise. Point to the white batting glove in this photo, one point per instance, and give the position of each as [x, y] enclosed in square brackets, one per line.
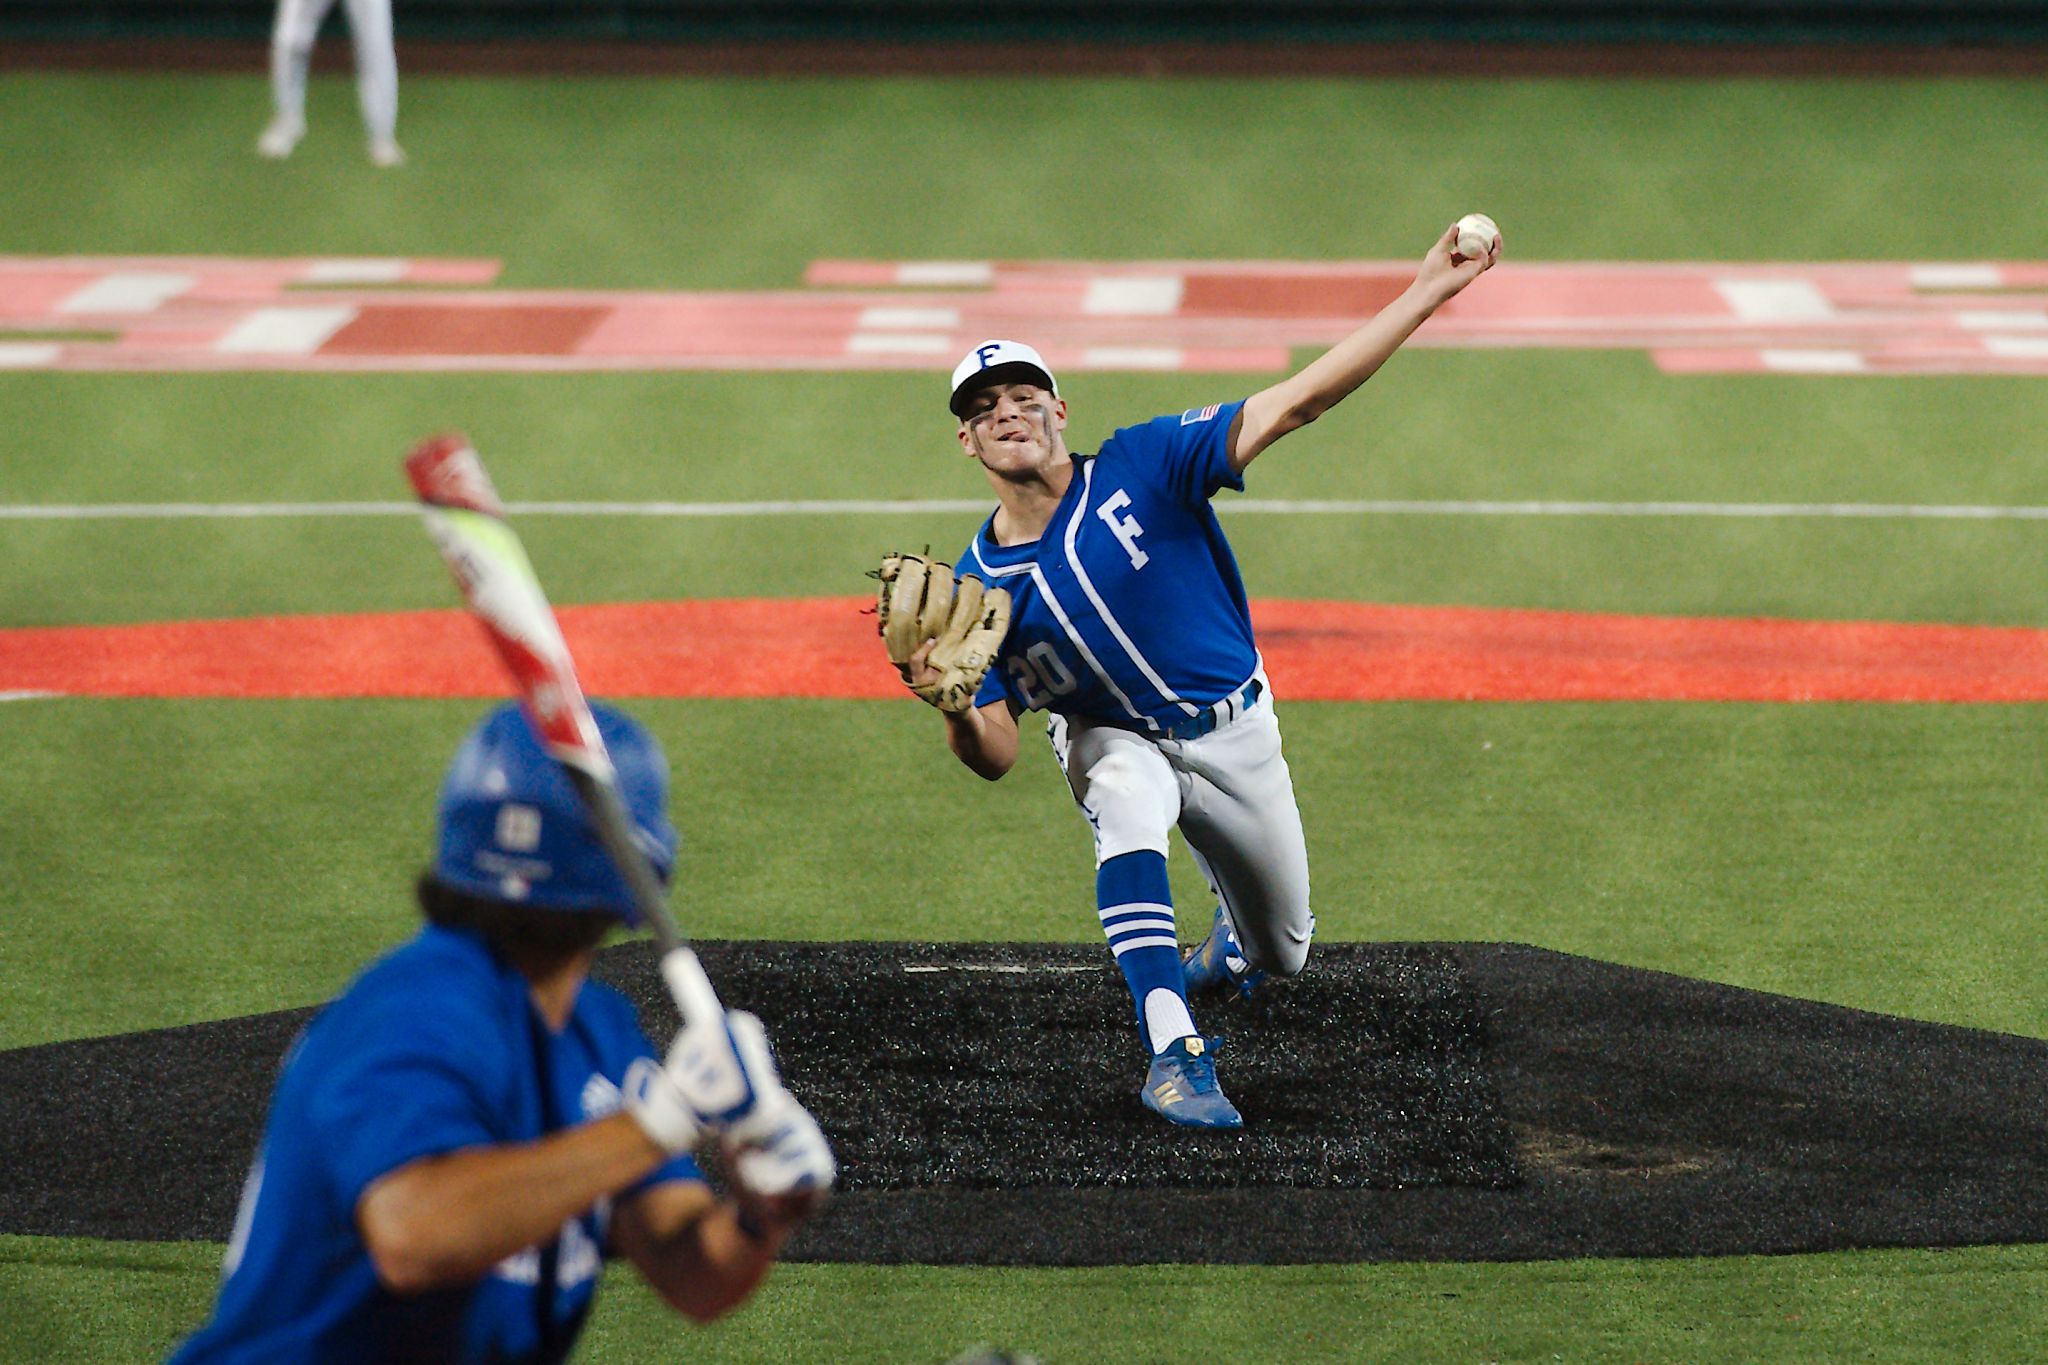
[788, 1160]
[718, 1075]
[779, 1153]
[708, 1066]
[659, 1106]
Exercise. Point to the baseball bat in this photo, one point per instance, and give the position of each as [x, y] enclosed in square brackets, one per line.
[467, 524]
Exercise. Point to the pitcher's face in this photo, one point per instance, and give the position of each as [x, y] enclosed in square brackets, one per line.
[1014, 429]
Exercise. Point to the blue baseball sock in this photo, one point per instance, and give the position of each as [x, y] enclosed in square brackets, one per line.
[1137, 916]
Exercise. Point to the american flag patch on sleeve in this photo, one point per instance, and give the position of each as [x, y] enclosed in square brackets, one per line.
[1194, 415]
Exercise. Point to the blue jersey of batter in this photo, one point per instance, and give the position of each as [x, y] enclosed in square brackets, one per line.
[1129, 608]
[434, 1048]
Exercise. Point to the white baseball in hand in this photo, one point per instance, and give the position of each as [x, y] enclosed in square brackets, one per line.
[1477, 237]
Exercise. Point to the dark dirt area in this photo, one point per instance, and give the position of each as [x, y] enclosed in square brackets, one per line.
[1402, 1101]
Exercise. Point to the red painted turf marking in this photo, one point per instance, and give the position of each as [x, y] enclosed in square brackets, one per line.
[192, 313]
[826, 647]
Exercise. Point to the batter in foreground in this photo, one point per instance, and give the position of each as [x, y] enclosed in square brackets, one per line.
[459, 1142]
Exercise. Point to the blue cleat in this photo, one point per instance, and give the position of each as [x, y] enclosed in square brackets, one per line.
[1217, 964]
[1181, 1087]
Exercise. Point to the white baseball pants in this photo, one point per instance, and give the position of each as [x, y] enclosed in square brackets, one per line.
[369, 26]
[1231, 795]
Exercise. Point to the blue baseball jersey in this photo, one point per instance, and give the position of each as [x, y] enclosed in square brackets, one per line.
[1129, 608]
[436, 1047]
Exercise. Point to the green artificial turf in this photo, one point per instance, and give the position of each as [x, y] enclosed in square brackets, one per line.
[172, 861]
[1414, 433]
[81, 1301]
[636, 182]
[255, 853]
[1974, 1305]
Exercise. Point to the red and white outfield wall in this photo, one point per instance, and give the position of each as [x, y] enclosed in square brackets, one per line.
[206, 313]
[826, 647]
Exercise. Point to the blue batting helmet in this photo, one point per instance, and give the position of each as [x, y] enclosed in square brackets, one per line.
[512, 828]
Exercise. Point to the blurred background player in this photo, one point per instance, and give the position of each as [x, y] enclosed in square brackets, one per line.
[1129, 624]
[291, 54]
[458, 1141]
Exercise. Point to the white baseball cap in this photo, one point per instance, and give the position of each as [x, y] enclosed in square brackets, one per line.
[998, 362]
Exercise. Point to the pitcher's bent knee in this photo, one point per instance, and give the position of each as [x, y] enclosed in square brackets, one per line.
[1275, 950]
[1290, 961]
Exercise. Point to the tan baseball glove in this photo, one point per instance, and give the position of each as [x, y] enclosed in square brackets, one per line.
[921, 600]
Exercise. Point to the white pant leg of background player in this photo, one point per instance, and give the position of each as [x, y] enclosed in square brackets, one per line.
[376, 66]
[1240, 819]
[291, 53]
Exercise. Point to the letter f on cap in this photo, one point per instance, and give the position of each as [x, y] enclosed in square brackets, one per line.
[998, 362]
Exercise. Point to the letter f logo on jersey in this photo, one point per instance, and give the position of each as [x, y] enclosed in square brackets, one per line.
[1127, 529]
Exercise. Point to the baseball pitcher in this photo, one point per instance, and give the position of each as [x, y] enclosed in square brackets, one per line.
[460, 1140]
[1102, 592]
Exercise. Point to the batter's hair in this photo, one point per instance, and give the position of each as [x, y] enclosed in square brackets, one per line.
[518, 933]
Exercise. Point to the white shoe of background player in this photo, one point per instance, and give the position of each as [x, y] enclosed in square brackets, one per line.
[385, 152]
[280, 137]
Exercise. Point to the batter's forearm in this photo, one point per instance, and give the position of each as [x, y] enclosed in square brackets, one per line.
[446, 1220]
[711, 1266]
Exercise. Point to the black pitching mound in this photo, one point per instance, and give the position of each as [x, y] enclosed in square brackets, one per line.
[1402, 1101]
[1013, 1066]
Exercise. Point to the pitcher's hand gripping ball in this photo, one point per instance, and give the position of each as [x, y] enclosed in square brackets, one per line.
[1478, 236]
[921, 600]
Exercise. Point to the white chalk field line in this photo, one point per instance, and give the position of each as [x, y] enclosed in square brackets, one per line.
[1000, 968]
[1390, 507]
